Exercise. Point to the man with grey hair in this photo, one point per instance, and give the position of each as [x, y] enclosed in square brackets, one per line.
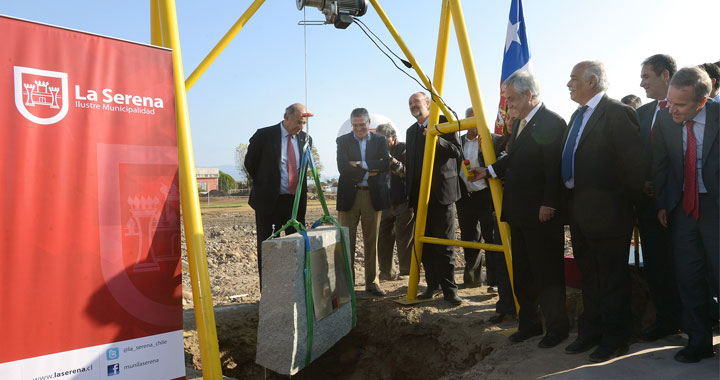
[363, 161]
[687, 161]
[602, 172]
[396, 223]
[531, 173]
[273, 162]
[438, 260]
[655, 74]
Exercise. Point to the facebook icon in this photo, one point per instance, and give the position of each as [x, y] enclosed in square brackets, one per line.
[113, 369]
[112, 353]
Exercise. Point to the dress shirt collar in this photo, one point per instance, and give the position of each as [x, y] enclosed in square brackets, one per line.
[701, 116]
[425, 123]
[593, 102]
[532, 113]
[283, 132]
[359, 139]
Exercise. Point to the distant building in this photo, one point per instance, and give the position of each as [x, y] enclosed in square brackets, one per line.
[207, 178]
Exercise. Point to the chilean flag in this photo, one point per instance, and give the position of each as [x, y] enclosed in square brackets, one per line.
[516, 56]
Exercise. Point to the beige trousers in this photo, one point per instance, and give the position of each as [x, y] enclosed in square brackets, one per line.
[363, 212]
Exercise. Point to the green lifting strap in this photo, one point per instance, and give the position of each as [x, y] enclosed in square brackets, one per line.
[300, 228]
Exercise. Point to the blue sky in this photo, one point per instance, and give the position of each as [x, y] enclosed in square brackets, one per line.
[262, 70]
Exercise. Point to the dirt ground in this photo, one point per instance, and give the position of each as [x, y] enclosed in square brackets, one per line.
[431, 340]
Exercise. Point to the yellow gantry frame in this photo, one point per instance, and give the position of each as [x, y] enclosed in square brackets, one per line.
[451, 9]
[164, 32]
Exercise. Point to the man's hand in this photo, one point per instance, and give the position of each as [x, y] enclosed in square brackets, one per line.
[480, 173]
[648, 189]
[355, 164]
[372, 174]
[662, 217]
[546, 213]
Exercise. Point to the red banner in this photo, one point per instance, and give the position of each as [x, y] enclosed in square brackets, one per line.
[90, 281]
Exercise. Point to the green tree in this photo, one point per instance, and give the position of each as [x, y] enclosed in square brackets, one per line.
[226, 182]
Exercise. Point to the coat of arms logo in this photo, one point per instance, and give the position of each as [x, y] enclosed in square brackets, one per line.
[41, 96]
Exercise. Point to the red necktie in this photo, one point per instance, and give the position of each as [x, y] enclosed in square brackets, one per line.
[291, 166]
[662, 104]
[690, 195]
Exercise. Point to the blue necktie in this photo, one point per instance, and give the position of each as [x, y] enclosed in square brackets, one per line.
[568, 157]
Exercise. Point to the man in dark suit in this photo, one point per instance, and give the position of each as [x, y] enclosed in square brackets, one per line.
[656, 248]
[687, 196]
[273, 162]
[602, 170]
[396, 222]
[438, 260]
[531, 172]
[363, 162]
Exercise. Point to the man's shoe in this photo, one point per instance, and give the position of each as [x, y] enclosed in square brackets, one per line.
[656, 332]
[523, 335]
[454, 299]
[374, 290]
[498, 317]
[694, 354]
[605, 353]
[492, 289]
[581, 345]
[551, 340]
[429, 294]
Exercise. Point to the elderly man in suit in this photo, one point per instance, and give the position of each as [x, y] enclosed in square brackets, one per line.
[396, 223]
[656, 248]
[603, 173]
[438, 260]
[363, 161]
[531, 171]
[273, 162]
[687, 196]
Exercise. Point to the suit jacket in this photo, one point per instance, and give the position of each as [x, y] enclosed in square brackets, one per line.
[262, 162]
[669, 159]
[609, 170]
[445, 186]
[645, 118]
[377, 159]
[531, 169]
[398, 193]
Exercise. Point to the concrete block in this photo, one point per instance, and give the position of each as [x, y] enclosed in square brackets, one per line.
[282, 326]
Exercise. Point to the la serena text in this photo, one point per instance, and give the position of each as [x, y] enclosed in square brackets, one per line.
[109, 97]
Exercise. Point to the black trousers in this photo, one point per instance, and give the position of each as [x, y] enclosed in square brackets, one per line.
[475, 217]
[659, 267]
[498, 267]
[539, 276]
[439, 260]
[606, 287]
[696, 247]
[267, 223]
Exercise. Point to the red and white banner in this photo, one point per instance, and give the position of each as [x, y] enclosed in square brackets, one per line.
[90, 275]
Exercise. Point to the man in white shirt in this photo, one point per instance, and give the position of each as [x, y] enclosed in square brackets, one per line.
[603, 172]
